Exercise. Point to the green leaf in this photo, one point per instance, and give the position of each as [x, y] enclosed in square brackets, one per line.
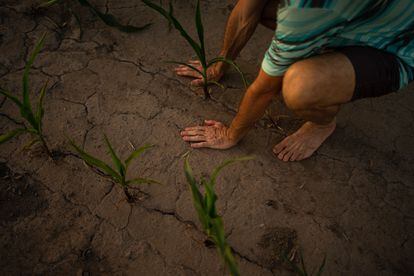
[230, 62]
[9, 135]
[231, 263]
[216, 83]
[117, 162]
[40, 111]
[198, 199]
[139, 180]
[26, 97]
[170, 17]
[111, 21]
[188, 65]
[322, 267]
[137, 153]
[49, 3]
[225, 164]
[200, 32]
[210, 200]
[94, 162]
[12, 97]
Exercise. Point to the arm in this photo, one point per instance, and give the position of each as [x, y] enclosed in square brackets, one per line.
[255, 101]
[240, 26]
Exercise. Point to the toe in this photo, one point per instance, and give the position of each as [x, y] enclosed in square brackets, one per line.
[287, 156]
[279, 147]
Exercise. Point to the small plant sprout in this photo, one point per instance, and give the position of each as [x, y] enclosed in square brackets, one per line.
[205, 206]
[198, 47]
[33, 118]
[301, 268]
[118, 174]
[107, 18]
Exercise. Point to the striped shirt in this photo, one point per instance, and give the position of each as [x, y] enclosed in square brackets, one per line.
[307, 27]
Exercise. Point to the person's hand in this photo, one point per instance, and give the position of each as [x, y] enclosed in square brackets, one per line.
[214, 72]
[213, 135]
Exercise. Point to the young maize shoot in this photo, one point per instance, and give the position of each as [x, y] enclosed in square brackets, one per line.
[33, 118]
[107, 18]
[205, 206]
[198, 47]
[117, 173]
[301, 268]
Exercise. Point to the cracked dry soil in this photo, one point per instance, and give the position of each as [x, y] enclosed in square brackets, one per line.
[352, 201]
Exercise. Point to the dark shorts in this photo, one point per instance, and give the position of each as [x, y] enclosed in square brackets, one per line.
[377, 72]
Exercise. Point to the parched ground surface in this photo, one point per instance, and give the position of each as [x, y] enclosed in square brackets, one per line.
[352, 201]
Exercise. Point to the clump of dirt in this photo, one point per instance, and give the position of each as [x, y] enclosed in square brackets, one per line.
[18, 197]
[277, 244]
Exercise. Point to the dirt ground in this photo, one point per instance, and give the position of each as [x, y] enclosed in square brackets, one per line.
[352, 201]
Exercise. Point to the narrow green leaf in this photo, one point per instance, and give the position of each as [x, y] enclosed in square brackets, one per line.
[49, 3]
[198, 199]
[40, 110]
[137, 153]
[177, 25]
[12, 97]
[188, 65]
[302, 263]
[225, 164]
[139, 180]
[92, 161]
[230, 62]
[200, 32]
[230, 261]
[9, 135]
[111, 21]
[26, 97]
[117, 162]
[216, 83]
[322, 267]
[210, 200]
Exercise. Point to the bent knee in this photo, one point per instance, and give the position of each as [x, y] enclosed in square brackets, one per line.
[300, 85]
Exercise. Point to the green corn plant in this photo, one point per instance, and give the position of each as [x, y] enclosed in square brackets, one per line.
[118, 173]
[205, 206]
[106, 18]
[33, 118]
[199, 48]
[301, 268]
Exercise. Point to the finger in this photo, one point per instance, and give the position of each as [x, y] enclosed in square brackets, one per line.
[197, 138]
[195, 128]
[192, 132]
[188, 73]
[197, 82]
[194, 62]
[212, 123]
[200, 145]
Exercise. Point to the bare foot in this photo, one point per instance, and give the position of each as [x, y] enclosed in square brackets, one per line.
[304, 142]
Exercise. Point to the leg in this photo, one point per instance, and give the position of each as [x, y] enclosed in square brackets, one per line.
[314, 89]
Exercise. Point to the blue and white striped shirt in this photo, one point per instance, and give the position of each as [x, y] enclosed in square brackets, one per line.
[307, 27]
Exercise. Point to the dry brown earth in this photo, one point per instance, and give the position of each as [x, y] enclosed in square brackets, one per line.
[352, 201]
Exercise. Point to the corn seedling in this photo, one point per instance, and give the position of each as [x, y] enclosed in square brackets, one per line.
[33, 118]
[301, 268]
[205, 206]
[106, 18]
[198, 47]
[118, 173]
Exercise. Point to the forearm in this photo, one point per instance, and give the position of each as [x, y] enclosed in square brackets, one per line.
[241, 24]
[257, 98]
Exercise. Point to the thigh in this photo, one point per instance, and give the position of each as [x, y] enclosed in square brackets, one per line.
[319, 81]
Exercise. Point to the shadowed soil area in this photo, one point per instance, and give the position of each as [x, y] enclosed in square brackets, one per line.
[352, 201]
